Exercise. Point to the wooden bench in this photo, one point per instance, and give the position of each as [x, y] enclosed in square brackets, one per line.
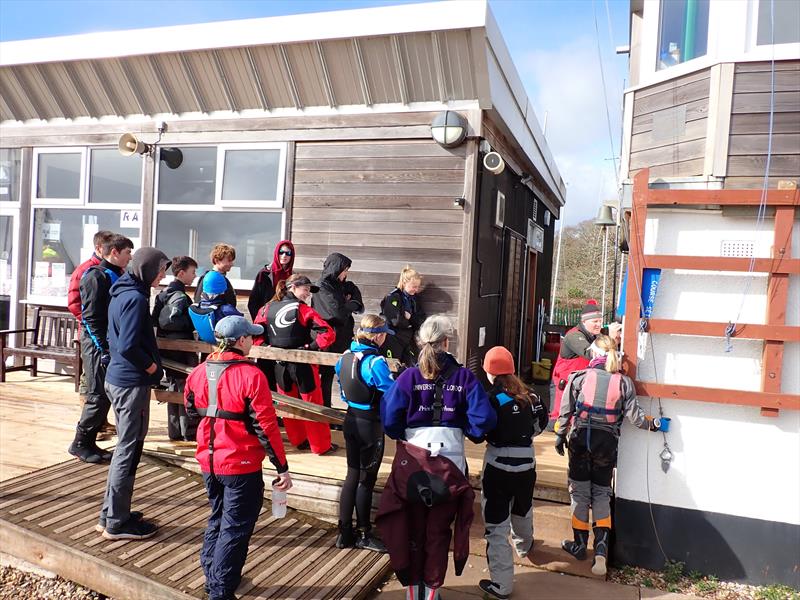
[54, 336]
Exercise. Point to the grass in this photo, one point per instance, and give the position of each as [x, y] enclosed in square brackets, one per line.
[777, 592]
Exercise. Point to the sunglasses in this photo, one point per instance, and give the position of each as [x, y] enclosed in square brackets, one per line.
[286, 252]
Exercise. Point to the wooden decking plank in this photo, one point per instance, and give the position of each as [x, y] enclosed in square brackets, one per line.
[307, 562]
[371, 579]
[343, 575]
[56, 509]
[23, 481]
[19, 496]
[184, 533]
[318, 573]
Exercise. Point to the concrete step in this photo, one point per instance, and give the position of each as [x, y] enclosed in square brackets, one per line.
[552, 523]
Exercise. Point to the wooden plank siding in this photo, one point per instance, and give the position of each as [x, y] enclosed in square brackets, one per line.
[384, 205]
[750, 125]
[674, 151]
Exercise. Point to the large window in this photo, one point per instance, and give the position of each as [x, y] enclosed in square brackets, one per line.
[9, 174]
[683, 31]
[78, 192]
[6, 270]
[781, 15]
[231, 193]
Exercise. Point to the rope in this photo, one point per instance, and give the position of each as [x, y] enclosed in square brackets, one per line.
[605, 94]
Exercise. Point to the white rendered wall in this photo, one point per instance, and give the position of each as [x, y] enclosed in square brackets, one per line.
[728, 458]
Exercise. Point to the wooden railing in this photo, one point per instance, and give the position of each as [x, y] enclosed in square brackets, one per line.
[286, 405]
[774, 332]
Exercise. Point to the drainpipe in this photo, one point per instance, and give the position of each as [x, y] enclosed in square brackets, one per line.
[689, 28]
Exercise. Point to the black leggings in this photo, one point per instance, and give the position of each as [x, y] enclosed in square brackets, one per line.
[326, 375]
[364, 448]
[592, 456]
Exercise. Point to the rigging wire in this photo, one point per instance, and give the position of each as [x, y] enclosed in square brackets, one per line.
[605, 93]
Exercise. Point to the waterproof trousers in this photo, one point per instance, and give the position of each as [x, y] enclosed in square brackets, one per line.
[363, 436]
[298, 431]
[592, 458]
[95, 409]
[132, 415]
[236, 502]
[507, 508]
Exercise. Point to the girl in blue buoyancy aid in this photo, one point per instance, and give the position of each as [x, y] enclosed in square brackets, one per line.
[592, 407]
[364, 378]
[509, 471]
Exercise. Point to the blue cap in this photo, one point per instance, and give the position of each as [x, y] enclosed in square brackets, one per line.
[382, 329]
[214, 283]
[234, 327]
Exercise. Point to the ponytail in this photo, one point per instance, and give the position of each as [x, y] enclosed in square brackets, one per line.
[406, 275]
[432, 336]
[280, 291]
[608, 348]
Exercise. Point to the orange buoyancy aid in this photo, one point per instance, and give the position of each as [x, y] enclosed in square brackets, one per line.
[600, 397]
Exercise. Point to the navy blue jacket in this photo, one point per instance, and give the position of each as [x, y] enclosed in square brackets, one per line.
[131, 339]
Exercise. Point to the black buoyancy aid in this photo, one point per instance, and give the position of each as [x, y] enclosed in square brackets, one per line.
[284, 329]
[358, 393]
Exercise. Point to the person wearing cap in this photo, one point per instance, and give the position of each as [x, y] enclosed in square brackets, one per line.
[135, 367]
[364, 378]
[215, 295]
[574, 354]
[292, 324]
[509, 471]
[238, 429]
[592, 409]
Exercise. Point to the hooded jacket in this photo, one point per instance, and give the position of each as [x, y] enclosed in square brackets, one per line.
[331, 301]
[131, 339]
[74, 293]
[574, 355]
[268, 278]
[171, 312]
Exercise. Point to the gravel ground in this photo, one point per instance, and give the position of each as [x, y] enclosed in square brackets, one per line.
[16, 584]
[672, 580]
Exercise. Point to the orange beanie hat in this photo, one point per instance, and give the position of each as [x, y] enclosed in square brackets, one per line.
[498, 361]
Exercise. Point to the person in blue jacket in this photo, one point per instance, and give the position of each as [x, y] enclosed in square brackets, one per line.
[364, 378]
[134, 368]
[410, 410]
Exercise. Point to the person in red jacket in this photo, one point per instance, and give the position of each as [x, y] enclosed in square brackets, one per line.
[288, 323]
[74, 306]
[237, 431]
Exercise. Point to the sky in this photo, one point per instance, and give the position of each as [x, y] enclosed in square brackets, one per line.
[553, 43]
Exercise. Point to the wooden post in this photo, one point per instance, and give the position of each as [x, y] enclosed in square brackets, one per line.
[633, 293]
[777, 297]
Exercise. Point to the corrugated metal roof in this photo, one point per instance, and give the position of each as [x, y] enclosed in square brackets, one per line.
[440, 64]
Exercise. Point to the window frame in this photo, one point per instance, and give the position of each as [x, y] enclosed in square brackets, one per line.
[659, 31]
[18, 202]
[87, 202]
[81, 205]
[82, 177]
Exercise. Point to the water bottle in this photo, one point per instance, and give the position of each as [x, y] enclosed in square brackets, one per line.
[278, 501]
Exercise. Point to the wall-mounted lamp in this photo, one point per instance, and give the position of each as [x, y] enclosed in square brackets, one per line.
[449, 129]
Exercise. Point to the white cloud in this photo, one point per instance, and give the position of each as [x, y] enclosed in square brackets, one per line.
[566, 85]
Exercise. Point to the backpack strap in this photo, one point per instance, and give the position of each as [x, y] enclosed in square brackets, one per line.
[438, 392]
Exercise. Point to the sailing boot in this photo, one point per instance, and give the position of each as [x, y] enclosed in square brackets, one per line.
[601, 540]
[577, 548]
[105, 455]
[83, 448]
[347, 535]
[367, 541]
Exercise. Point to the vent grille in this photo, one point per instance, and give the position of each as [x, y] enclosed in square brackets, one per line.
[738, 248]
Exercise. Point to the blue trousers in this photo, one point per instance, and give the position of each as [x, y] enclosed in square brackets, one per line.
[235, 503]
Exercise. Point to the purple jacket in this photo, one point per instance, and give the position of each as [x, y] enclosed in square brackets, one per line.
[409, 403]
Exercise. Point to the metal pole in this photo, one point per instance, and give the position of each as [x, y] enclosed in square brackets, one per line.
[558, 260]
[614, 279]
[605, 270]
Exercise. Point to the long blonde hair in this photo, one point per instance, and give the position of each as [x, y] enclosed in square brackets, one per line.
[369, 322]
[432, 337]
[609, 346]
[406, 275]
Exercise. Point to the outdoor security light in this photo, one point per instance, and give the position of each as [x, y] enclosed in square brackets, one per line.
[449, 129]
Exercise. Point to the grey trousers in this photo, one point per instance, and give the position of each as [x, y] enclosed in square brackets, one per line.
[132, 411]
[95, 409]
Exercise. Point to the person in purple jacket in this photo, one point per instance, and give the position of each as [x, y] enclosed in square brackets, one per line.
[432, 407]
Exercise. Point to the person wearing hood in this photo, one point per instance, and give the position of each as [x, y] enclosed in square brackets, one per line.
[336, 302]
[135, 366]
[266, 282]
[267, 279]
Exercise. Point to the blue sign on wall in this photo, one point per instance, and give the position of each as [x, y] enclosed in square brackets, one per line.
[650, 279]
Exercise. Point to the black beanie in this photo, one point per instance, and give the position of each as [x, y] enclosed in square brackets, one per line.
[146, 263]
[591, 311]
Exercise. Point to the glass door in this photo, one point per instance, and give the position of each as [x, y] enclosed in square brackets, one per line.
[8, 271]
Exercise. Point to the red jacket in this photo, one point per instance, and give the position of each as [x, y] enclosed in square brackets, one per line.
[417, 535]
[308, 318]
[571, 357]
[74, 293]
[239, 446]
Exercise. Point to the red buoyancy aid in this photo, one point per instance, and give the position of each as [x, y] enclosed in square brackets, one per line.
[563, 368]
[599, 399]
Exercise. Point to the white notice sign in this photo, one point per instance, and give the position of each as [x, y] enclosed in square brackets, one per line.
[130, 219]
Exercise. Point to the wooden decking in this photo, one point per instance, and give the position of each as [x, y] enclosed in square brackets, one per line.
[47, 517]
